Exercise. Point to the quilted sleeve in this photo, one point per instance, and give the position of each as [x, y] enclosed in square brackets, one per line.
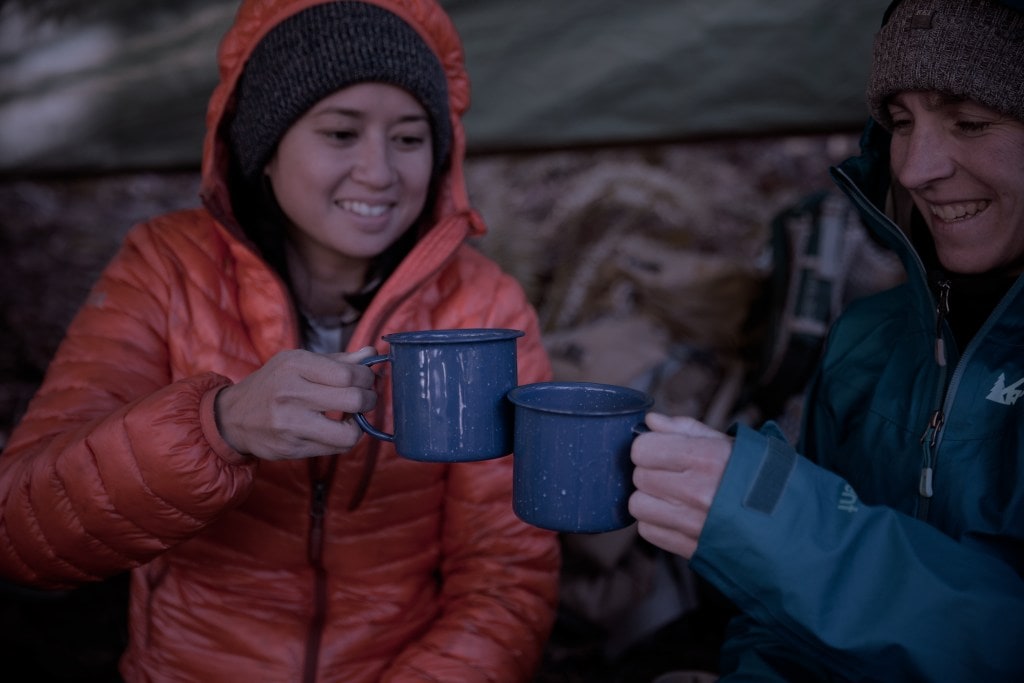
[499, 575]
[113, 463]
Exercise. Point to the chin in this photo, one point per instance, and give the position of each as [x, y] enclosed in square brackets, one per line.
[962, 265]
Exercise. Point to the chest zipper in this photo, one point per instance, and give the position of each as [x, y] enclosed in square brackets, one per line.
[930, 438]
[315, 545]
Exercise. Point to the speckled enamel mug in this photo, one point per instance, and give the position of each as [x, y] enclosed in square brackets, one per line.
[572, 470]
[449, 393]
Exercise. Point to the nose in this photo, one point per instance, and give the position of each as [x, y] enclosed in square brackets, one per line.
[374, 166]
[921, 156]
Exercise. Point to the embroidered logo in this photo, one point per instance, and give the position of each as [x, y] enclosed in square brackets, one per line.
[848, 499]
[1006, 395]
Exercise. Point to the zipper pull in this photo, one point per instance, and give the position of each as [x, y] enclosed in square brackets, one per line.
[924, 484]
[319, 501]
[317, 505]
[932, 431]
[941, 313]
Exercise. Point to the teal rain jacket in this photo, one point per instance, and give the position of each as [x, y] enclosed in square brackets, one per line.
[892, 549]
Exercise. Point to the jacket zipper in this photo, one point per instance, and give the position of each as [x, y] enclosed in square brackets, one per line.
[930, 438]
[321, 483]
[317, 511]
[318, 507]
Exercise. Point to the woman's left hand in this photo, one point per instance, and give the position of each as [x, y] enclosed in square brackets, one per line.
[679, 466]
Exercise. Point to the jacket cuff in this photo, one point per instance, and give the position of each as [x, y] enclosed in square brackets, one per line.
[208, 423]
[777, 462]
[755, 478]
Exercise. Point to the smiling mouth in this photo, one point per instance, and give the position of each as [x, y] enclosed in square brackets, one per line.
[364, 209]
[950, 213]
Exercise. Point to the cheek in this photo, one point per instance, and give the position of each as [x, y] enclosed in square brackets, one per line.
[1012, 199]
[418, 184]
[286, 187]
[297, 178]
[898, 148]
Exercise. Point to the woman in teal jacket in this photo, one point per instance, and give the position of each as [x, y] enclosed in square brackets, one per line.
[892, 548]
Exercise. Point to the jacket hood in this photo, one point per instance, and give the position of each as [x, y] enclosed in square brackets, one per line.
[256, 18]
[884, 206]
[884, 210]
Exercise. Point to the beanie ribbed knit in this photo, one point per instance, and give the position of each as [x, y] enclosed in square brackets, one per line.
[319, 51]
[964, 48]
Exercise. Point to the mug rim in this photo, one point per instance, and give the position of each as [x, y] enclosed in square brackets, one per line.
[453, 335]
[521, 397]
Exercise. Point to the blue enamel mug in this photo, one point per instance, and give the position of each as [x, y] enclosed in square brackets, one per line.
[572, 470]
[449, 393]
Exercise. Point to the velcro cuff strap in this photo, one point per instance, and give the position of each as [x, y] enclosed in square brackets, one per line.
[778, 463]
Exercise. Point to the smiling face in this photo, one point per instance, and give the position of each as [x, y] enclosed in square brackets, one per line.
[352, 175]
[963, 164]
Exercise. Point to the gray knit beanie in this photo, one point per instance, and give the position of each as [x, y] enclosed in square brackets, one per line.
[964, 48]
[319, 51]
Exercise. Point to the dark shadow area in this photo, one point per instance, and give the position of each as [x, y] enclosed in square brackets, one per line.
[66, 637]
[577, 650]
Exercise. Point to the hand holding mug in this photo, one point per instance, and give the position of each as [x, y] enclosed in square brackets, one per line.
[289, 408]
[679, 466]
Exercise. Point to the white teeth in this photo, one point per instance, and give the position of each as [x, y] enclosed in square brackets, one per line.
[364, 209]
[957, 212]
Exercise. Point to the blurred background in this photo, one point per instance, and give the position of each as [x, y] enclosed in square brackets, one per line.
[116, 84]
[654, 173]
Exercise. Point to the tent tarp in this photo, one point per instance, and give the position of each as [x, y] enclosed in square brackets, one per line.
[122, 84]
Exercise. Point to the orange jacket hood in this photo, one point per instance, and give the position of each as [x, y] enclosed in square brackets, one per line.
[256, 18]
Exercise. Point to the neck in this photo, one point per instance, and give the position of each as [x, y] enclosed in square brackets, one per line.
[972, 298]
[321, 286]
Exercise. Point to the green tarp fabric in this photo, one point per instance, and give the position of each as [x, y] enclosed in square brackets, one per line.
[118, 84]
[586, 72]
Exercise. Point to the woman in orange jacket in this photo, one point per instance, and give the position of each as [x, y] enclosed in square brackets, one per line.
[181, 431]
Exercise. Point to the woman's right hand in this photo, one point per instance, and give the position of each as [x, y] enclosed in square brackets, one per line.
[679, 467]
[289, 408]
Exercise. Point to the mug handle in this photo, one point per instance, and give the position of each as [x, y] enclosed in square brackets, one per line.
[361, 420]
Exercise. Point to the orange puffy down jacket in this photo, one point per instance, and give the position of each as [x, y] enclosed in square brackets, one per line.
[359, 567]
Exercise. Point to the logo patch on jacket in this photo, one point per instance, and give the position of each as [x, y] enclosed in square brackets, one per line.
[1006, 395]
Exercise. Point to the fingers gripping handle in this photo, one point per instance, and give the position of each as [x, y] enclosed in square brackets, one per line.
[361, 420]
